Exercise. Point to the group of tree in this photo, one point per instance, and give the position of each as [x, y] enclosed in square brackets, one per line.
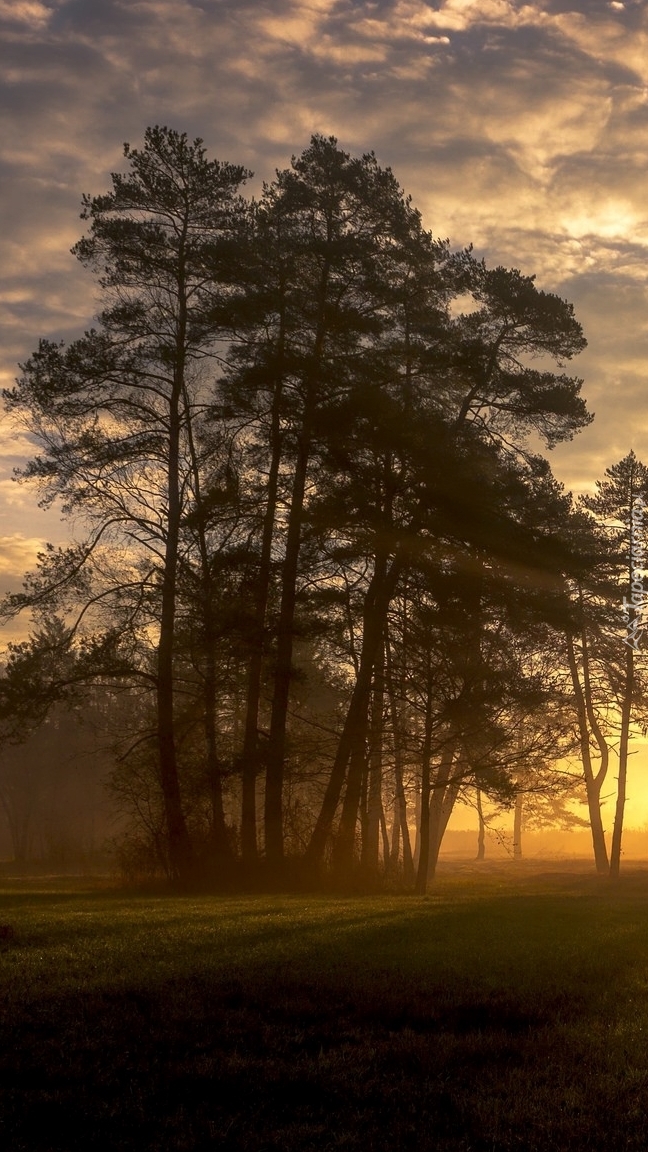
[323, 571]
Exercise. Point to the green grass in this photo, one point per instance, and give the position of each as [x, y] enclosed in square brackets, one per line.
[494, 1014]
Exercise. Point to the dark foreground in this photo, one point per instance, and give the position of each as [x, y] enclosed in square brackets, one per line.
[497, 1013]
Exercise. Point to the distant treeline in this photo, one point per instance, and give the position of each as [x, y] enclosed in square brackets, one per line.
[324, 582]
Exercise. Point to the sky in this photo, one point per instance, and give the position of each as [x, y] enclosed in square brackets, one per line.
[521, 128]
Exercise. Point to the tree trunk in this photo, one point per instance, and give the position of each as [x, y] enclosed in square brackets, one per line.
[416, 851]
[180, 851]
[481, 836]
[19, 829]
[626, 715]
[426, 756]
[250, 754]
[219, 836]
[394, 845]
[283, 667]
[592, 783]
[354, 731]
[371, 837]
[438, 817]
[385, 837]
[276, 753]
[408, 862]
[517, 827]
[400, 804]
[364, 809]
[344, 848]
[343, 852]
[449, 800]
[372, 638]
[624, 740]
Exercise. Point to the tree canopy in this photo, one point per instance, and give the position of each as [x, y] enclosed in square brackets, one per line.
[321, 547]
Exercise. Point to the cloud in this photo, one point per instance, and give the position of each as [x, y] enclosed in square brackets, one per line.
[520, 127]
[25, 13]
[18, 553]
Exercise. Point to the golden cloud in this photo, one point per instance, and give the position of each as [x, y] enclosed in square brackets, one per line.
[18, 553]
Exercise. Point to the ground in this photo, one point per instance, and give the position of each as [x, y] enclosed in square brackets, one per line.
[508, 1009]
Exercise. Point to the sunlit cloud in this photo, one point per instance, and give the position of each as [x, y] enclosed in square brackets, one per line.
[607, 39]
[18, 552]
[519, 127]
[459, 15]
[25, 12]
[607, 220]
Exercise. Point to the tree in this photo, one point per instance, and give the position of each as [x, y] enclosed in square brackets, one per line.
[451, 389]
[335, 226]
[299, 464]
[620, 506]
[114, 412]
[39, 693]
[545, 803]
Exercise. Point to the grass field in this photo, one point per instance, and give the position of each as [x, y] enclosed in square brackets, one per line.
[499, 1012]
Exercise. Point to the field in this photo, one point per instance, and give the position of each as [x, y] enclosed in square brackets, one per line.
[502, 1011]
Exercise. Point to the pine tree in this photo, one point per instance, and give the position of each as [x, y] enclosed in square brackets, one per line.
[113, 413]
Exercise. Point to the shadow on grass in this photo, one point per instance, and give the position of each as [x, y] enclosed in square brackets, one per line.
[508, 1022]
